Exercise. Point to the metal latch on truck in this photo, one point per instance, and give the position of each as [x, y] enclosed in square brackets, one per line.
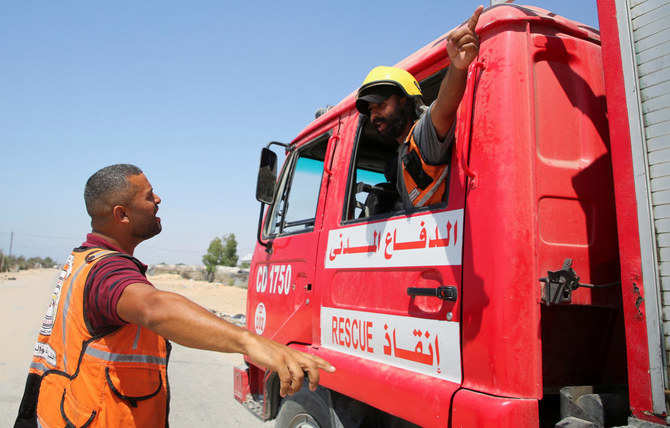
[559, 285]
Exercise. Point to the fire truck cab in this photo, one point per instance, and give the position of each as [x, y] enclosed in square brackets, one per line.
[500, 306]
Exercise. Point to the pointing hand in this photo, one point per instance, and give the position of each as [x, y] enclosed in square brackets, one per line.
[463, 42]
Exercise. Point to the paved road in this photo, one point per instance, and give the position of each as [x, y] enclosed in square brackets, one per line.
[201, 382]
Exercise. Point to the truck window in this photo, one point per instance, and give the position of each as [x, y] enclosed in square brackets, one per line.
[298, 192]
[370, 193]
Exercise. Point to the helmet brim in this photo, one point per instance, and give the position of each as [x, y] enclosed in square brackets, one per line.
[363, 103]
[375, 94]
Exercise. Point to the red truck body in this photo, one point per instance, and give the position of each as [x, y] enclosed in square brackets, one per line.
[531, 184]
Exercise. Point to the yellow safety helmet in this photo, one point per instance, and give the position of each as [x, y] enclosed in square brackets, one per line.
[375, 87]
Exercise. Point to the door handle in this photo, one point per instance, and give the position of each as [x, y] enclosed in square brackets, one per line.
[448, 292]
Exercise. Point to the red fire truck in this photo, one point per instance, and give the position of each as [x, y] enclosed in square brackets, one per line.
[534, 294]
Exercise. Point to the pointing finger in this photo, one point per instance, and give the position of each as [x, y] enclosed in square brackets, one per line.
[323, 364]
[472, 23]
[312, 369]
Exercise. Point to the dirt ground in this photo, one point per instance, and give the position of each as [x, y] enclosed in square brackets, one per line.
[216, 297]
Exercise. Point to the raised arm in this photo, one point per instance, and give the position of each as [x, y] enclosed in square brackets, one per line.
[176, 318]
[462, 48]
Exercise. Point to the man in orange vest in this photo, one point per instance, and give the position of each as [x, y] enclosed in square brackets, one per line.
[391, 98]
[101, 355]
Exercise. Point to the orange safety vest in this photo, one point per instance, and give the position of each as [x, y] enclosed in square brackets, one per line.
[77, 379]
[425, 183]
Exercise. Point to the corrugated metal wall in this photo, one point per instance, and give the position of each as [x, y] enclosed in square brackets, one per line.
[650, 25]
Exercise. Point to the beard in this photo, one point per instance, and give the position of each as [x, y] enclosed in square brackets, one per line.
[395, 124]
[147, 229]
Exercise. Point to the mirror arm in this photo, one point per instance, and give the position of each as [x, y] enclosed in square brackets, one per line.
[268, 244]
[277, 143]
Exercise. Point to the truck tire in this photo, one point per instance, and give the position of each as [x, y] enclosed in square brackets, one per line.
[306, 409]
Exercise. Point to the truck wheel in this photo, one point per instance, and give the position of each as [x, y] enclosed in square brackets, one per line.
[305, 409]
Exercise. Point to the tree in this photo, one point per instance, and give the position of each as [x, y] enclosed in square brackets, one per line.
[221, 252]
[230, 250]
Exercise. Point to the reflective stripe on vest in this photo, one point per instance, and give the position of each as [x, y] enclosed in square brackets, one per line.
[66, 307]
[425, 184]
[38, 366]
[125, 358]
[137, 337]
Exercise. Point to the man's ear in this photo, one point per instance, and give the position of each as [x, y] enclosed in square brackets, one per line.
[120, 214]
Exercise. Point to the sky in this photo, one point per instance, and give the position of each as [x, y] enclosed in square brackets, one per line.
[188, 91]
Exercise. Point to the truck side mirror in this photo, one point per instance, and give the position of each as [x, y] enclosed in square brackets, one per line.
[267, 177]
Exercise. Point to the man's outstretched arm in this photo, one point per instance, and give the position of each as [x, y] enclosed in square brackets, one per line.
[176, 318]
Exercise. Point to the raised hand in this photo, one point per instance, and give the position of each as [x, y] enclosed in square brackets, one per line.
[463, 42]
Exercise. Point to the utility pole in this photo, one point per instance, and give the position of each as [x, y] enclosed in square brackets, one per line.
[11, 241]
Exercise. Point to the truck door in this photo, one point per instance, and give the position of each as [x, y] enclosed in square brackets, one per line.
[279, 295]
[391, 343]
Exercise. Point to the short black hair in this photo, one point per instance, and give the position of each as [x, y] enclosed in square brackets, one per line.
[109, 186]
